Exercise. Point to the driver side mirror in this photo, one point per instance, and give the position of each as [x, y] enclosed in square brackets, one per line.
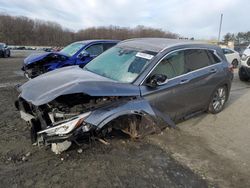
[83, 55]
[156, 80]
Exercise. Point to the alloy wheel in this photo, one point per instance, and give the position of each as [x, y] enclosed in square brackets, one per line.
[219, 99]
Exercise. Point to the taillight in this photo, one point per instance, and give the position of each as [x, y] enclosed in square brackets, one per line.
[231, 68]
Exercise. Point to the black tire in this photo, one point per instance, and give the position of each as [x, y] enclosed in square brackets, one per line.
[235, 63]
[218, 100]
[242, 76]
[35, 127]
[5, 55]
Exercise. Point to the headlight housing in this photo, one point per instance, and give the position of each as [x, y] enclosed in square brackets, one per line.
[67, 126]
[244, 57]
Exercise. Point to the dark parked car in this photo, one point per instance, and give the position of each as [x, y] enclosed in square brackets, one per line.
[77, 53]
[4, 50]
[137, 85]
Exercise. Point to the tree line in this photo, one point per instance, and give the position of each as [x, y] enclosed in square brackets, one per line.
[25, 31]
[237, 38]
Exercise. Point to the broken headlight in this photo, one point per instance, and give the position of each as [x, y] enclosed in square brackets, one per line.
[67, 126]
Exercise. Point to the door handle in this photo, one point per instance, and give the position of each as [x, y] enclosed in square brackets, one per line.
[184, 81]
[213, 70]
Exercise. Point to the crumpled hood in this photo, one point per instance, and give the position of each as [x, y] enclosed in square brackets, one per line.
[37, 57]
[70, 80]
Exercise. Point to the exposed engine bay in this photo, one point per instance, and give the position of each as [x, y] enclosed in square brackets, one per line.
[68, 106]
[63, 108]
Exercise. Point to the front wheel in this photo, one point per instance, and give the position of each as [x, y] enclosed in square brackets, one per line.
[218, 100]
[235, 63]
[5, 55]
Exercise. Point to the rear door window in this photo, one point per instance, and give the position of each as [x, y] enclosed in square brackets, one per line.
[196, 59]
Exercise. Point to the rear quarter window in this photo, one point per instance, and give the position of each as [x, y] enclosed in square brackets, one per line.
[213, 58]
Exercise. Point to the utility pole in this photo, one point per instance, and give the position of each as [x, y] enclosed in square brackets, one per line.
[221, 18]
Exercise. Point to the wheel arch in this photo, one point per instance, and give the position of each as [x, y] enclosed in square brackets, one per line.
[139, 107]
[116, 116]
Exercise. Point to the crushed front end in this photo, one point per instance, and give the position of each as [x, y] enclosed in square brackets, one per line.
[63, 119]
[37, 64]
[32, 71]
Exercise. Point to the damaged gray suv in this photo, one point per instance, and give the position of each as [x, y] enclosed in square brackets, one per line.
[139, 86]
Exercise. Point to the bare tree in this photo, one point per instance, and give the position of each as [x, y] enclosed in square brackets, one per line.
[26, 31]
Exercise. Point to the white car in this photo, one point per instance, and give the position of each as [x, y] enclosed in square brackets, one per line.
[232, 56]
[244, 70]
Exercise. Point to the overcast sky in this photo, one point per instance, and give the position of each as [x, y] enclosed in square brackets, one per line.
[190, 18]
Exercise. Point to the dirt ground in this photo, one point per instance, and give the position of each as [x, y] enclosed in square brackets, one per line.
[205, 151]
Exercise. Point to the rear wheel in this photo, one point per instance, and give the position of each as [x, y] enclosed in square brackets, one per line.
[218, 100]
[235, 63]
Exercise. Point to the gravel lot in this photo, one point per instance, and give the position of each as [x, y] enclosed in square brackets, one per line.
[206, 151]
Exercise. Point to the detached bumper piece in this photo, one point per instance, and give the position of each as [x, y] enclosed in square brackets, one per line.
[60, 143]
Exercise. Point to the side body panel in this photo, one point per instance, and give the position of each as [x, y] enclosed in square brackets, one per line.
[187, 93]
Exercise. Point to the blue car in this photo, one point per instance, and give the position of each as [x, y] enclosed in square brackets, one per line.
[77, 53]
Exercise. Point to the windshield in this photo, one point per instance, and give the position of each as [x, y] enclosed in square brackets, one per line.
[72, 49]
[120, 64]
[1, 45]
